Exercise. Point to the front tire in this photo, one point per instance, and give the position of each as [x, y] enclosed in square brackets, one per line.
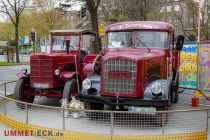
[22, 89]
[175, 89]
[70, 89]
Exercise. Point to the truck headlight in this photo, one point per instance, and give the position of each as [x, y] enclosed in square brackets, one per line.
[57, 72]
[24, 70]
[86, 84]
[156, 89]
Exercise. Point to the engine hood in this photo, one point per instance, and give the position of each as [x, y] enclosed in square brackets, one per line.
[134, 54]
[51, 55]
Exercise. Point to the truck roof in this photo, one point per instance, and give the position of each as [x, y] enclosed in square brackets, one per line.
[72, 32]
[136, 25]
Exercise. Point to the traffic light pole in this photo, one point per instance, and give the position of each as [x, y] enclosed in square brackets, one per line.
[35, 43]
[33, 39]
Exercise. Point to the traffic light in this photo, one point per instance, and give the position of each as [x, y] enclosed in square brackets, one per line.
[33, 36]
[83, 12]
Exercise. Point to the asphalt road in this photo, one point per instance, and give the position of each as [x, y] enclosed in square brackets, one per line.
[9, 73]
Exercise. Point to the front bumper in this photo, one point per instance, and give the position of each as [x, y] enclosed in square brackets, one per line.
[114, 101]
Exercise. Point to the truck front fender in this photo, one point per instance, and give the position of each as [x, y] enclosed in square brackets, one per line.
[89, 65]
[165, 89]
[68, 74]
[20, 75]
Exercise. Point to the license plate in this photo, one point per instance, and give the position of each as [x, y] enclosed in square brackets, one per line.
[146, 110]
[38, 85]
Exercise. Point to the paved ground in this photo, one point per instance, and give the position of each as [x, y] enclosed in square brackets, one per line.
[175, 124]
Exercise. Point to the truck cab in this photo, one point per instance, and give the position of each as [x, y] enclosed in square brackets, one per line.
[138, 67]
[58, 73]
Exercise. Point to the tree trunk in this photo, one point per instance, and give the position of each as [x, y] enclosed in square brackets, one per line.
[94, 24]
[16, 43]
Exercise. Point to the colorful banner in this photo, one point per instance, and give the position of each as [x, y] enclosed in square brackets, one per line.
[188, 65]
[204, 67]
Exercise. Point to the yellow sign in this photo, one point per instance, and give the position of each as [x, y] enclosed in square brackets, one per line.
[101, 29]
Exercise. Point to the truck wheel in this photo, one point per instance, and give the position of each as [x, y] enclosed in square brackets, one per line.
[22, 89]
[175, 89]
[94, 106]
[70, 89]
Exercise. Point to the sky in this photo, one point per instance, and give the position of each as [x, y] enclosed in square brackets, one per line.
[76, 7]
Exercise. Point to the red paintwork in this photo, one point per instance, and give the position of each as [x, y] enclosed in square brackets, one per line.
[20, 75]
[67, 74]
[89, 64]
[43, 66]
[146, 61]
[140, 25]
[119, 74]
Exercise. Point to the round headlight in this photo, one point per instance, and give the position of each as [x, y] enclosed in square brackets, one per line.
[86, 84]
[156, 88]
[57, 72]
[24, 70]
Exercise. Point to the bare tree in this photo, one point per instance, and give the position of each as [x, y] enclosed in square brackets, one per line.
[92, 6]
[127, 10]
[193, 12]
[13, 9]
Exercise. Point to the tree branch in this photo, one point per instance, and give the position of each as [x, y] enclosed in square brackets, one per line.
[10, 4]
[7, 12]
[23, 7]
[98, 2]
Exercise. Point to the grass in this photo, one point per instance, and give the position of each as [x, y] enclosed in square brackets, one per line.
[13, 64]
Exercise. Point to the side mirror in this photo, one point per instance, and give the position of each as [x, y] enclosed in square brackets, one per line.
[179, 42]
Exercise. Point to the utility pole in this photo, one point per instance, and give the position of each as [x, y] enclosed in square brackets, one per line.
[33, 39]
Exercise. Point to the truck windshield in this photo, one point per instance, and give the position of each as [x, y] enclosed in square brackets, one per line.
[59, 43]
[149, 39]
[119, 39]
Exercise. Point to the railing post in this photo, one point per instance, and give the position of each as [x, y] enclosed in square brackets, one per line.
[112, 124]
[26, 106]
[5, 89]
[163, 122]
[63, 117]
[5, 109]
[207, 118]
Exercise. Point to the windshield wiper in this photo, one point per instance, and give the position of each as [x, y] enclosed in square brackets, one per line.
[113, 46]
[143, 44]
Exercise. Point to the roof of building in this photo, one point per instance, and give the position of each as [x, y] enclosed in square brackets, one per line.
[73, 31]
[136, 25]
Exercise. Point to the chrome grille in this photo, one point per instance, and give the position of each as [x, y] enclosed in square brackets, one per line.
[122, 85]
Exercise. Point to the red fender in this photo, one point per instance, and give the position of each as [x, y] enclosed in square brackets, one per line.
[89, 65]
[20, 74]
[67, 74]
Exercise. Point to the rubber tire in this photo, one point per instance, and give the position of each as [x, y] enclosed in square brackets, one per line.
[94, 106]
[69, 85]
[175, 89]
[18, 92]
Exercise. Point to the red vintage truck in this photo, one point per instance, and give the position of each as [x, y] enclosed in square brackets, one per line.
[138, 67]
[59, 73]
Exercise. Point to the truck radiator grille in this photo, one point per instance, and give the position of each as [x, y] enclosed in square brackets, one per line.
[42, 71]
[119, 76]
